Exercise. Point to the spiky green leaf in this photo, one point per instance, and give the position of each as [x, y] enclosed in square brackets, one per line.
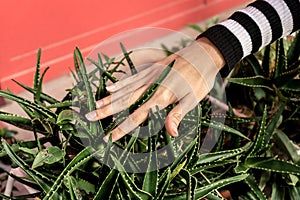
[223, 127]
[150, 181]
[280, 62]
[129, 183]
[128, 59]
[202, 192]
[163, 184]
[284, 141]
[37, 71]
[222, 155]
[260, 141]
[294, 51]
[80, 159]
[254, 63]
[273, 165]
[41, 109]
[39, 178]
[43, 96]
[292, 86]
[254, 187]
[107, 185]
[255, 81]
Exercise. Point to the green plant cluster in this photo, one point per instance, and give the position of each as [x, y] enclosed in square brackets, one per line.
[256, 156]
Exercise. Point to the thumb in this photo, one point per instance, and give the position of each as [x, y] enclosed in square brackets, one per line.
[173, 119]
[178, 112]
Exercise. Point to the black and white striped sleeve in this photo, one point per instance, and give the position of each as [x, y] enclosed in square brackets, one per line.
[252, 28]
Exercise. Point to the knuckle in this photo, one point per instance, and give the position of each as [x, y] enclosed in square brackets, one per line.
[104, 101]
[166, 97]
[138, 117]
[134, 118]
[118, 133]
[102, 113]
[177, 116]
[99, 114]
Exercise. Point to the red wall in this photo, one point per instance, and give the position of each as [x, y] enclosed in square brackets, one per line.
[58, 26]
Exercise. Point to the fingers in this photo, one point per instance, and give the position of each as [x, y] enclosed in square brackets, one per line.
[145, 76]
[173, 119]
[178, 112]
[162, 98]
[124, 93]
[131, 122]
[142, 59]
[114, 103]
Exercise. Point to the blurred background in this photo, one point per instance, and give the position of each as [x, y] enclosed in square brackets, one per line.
[57, 27]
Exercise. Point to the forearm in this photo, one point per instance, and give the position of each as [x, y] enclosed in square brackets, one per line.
[250, 29]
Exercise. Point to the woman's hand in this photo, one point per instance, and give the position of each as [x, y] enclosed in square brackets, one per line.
[189, 81]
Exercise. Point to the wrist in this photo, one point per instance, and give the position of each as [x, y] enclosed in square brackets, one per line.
[213, 51]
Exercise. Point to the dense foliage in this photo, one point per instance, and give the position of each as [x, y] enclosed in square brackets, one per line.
[255, 157]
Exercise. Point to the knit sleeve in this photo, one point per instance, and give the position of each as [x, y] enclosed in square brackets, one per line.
[252, 28]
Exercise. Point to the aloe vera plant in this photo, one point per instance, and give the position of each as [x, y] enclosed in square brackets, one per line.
[256, 157]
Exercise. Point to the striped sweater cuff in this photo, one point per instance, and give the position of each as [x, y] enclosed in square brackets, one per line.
[252, 28]
[227, 43]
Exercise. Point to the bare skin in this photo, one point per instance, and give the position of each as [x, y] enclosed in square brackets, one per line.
[195, 65]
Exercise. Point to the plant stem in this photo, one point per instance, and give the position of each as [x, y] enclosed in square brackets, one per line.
[224, 106]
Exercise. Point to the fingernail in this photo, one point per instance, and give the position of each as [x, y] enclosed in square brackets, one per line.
[99, 104]
[110, 88]
[91, 116]
[106, 139]
[174, 129]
